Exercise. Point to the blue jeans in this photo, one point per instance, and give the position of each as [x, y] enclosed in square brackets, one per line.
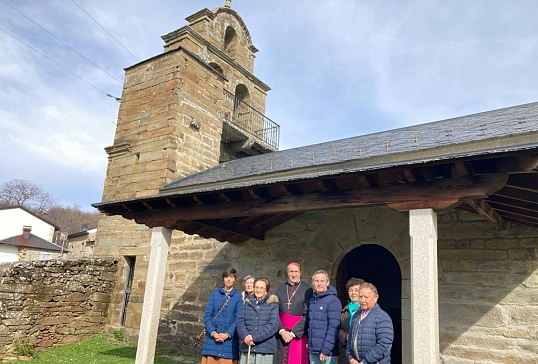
[314, 359]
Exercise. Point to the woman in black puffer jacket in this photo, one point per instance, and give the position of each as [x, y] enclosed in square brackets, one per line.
[258, 324]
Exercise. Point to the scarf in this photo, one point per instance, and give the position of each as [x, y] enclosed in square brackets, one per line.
[352, 307]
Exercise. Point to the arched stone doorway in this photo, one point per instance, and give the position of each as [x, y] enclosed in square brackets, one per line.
[381, 237]
[377, 265]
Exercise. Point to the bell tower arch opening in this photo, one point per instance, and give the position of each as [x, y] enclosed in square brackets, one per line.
[216, 67]
[242, 110]
[230, 42]
[377, 265]
[242, 93]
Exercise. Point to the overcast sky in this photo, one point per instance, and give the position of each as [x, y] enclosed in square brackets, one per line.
[336, 68]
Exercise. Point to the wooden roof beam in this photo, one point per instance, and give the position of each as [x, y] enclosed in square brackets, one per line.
[170, 202]
[252, 193]
[459, 169]
[208, 231]
[484, 209]
[439, 194]
[231, 228]
[274, 220]
[524, 181]
[408, 173]
[519, 216]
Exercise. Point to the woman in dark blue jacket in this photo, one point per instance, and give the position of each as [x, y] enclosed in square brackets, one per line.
[220, 318]
[258, 324]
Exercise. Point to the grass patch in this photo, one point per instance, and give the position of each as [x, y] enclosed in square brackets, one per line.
[118, 335]
[100, 349]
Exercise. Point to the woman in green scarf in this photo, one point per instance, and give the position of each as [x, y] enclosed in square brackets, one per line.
[352, 287]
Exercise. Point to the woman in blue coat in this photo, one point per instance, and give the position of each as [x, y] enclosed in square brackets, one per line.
[221, 313]
[258, 324]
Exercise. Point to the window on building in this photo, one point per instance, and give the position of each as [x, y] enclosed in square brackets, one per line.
[128, 276]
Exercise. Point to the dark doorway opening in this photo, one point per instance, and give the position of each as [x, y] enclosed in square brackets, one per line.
[376, 265]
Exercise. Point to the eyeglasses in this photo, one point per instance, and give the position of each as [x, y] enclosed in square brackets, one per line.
[353, 291]
[249, 283]
[259, 289]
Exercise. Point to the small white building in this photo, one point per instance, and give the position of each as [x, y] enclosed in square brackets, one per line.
[26, 236]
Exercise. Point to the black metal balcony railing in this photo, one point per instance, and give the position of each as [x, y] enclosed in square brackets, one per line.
[250, 120]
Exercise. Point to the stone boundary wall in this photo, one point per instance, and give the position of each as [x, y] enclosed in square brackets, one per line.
[56, 301]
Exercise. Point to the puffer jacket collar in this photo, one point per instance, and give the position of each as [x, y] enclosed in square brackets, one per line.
[269, 298]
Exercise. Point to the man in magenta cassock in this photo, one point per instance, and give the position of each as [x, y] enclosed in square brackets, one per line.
[291, 338]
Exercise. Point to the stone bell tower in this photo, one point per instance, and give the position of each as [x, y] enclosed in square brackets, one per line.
[188, 109]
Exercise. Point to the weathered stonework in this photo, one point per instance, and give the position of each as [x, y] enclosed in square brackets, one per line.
[488, 296]
[56, 301]
[170, 125]
[30, 254]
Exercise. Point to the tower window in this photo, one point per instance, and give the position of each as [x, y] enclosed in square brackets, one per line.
[217, 68]
[230, 42]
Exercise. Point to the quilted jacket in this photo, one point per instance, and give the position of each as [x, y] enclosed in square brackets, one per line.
[373, 337]
[226, 322]
[259, 319]
[324, 322]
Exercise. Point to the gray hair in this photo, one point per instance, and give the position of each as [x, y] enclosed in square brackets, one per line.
[371, 286]
[250, 276]
[321, 271]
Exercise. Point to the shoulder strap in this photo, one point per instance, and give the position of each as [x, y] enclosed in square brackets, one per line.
[222, 307]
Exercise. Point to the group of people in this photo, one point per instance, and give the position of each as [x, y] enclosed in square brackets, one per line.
[297, 324]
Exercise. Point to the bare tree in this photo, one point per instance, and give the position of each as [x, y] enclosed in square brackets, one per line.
[72, 219]
[18, 192]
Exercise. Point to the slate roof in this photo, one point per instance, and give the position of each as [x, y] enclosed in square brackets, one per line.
[34, 242]
[81, 233]
[287, 164]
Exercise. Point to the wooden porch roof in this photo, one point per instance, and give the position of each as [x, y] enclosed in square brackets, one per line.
[485, 163]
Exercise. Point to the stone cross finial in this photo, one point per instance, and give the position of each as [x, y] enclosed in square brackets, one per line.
[228, 4]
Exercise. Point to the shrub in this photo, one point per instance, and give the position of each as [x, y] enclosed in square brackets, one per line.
[24, 345]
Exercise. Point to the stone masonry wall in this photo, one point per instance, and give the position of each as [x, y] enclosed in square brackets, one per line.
[161, 98]
[488, 291]
[56, 301]
[155, 142]
[29, 254]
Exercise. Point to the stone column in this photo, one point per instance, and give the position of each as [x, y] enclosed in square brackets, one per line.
[424, 286]
[147, 337]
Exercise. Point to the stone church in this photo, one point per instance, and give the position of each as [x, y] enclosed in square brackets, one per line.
[441, 217]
